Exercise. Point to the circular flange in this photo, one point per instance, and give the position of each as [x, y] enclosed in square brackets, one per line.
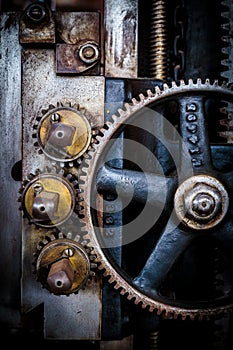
[201, 202]
[64, 134]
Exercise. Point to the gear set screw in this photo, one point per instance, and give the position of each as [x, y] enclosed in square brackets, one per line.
[69, 252]
[38, 188]
[55, 117]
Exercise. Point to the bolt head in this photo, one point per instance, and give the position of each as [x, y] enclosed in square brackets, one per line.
[203, 204]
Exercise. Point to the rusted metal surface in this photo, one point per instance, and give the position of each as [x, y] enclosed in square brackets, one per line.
[69, 61]
[121, 38]
[10, 155]
[74, 27]
[42, 88]
[77, 30]
[37, 25]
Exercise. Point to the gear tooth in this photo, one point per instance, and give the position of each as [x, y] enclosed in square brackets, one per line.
[190, 82]
[144, 305]
[87, 161]
[69, 235]
[136, 301]
[111, 279]
[141, 97]
[117, 285]
[226, 39]
[43, 111]
[82, 178]
[152, 308]
[114, 117]
[98, 138]
[226, 26]
[157, 90]
[130, 296]
[174, 85]
[121, 112]
[149, 93]
[207, 82]
[215, 83]
[45, 241]
[127, 106]
[182, 82]
[77, 238]
[86, 236]
[60, 235]
[123, 291]
[135, 101]
[108, 123]
[84, 170]
[225, 14]
[165, 87]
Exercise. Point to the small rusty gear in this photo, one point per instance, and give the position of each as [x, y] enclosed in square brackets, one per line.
[115, 274]
[64, 133]
[63, 263]
[50, 198]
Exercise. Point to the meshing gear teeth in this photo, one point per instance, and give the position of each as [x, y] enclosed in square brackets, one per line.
[87, 171]
[56, 128]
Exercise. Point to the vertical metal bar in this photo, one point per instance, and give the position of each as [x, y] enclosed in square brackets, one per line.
[10, 154]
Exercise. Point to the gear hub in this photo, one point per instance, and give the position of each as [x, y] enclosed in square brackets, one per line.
[201, 202]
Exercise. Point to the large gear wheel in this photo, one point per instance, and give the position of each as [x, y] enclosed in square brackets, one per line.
[198, 198]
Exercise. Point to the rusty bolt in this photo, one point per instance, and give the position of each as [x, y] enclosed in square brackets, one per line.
[109, 220]
[89, 53]
[36, 13]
